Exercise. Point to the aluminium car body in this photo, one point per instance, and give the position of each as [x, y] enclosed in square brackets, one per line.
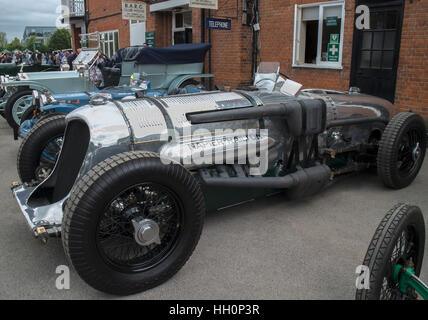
[160, 125]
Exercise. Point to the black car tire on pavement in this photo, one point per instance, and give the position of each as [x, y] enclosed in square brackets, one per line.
[399, 237]
[401, 150]
[142, 179]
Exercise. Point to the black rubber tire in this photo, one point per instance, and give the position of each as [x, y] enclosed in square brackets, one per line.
[380, 250]
[92, 194]
[389, 145]
[9, 105]
[32, 145]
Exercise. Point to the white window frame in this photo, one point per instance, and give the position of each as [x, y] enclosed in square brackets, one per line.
[297, 23]
[105, 41]
[182, 29]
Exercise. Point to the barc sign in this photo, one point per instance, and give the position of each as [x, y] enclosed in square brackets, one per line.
[132, 10]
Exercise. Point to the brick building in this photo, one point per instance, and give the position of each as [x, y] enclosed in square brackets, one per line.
[317, 43]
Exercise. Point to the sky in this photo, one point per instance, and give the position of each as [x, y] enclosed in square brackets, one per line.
[15, 15]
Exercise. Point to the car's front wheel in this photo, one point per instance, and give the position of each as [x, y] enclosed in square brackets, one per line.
[399, 240]
[132, 222]
[40, 148]
[401, 150]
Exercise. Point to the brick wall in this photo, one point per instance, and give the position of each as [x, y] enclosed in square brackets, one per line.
[277, 36]
[412, 79]
[106, 15]
[231, 50]
[161, 23]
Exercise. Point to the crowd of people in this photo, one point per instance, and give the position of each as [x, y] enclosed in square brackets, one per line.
[53, 57]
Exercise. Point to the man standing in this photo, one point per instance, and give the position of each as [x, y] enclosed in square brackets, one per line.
[37, 58]
[73, 57]
[28, 58]
[64, 57]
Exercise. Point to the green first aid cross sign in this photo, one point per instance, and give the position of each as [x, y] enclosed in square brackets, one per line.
[333, 52]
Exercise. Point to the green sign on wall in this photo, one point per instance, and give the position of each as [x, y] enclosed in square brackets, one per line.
[334, 38]
[150, 38]
[333, 52]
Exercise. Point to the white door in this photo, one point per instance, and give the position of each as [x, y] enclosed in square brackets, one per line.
[137, 32]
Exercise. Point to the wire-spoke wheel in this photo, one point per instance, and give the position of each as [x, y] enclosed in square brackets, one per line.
[399, 239]
[132, 222]
[140, 227]
[16, 105]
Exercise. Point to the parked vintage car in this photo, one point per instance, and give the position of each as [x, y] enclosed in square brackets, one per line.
[91, 44]
[19, 89]
[166, 69]
[134, 179]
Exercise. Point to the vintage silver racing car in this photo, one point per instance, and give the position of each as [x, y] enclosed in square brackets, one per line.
[134, 179]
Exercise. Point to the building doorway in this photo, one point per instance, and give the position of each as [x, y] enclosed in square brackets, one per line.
[376, 51]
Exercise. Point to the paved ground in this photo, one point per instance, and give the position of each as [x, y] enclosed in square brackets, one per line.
[267, 249]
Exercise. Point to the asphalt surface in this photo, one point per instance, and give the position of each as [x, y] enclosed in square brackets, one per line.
[267, 249]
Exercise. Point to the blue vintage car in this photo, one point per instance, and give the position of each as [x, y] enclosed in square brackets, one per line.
[167, 69]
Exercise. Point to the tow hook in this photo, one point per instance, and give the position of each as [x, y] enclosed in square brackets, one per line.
[42, 234]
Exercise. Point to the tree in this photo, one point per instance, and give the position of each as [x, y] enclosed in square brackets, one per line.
[15, 45]
[29, 44]
[3, 40]
[61, 39]
[44, 48]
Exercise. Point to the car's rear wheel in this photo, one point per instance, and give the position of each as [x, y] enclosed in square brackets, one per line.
[132, 222]
[16, 106]
[399, 239]
[40, 148]
[401, 150]
[191, 83]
